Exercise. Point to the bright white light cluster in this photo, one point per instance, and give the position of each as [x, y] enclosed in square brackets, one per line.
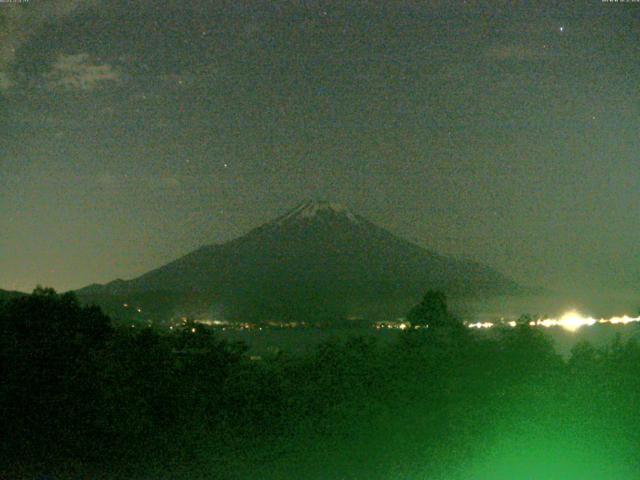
[570, 321]
[481, 325]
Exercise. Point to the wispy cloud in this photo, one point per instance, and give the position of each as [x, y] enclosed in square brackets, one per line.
[18, 21]
[5, 82]
[78, 72]
[517, 51]
[161, 183]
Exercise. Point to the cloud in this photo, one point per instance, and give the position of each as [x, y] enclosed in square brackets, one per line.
[78, 72]
[18, 21]
[160, 183]
[165, 183]
[5, 82]
[107, 180]
[516, 51]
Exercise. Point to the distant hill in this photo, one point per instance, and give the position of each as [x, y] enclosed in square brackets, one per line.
[7, 295]
[319, 261]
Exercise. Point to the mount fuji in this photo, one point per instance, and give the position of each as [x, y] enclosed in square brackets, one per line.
[319, 261]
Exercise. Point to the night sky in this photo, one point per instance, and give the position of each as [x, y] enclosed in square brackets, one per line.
[132, 132]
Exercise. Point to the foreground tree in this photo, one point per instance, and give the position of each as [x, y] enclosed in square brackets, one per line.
[432, 312]
[48, 349]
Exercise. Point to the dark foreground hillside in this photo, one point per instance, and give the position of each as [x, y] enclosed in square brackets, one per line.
[80, 399]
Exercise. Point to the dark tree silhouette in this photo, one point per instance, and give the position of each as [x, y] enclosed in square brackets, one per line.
[432, 311]
[48, 369]
[80, 400]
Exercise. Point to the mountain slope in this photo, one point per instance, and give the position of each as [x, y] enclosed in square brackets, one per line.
[318, 260]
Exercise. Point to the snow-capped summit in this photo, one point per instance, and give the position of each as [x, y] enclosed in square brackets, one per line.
[312, 208]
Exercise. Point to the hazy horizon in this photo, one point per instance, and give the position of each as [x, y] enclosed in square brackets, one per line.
[591, 299]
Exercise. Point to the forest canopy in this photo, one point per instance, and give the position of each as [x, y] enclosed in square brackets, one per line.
[80, 397]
